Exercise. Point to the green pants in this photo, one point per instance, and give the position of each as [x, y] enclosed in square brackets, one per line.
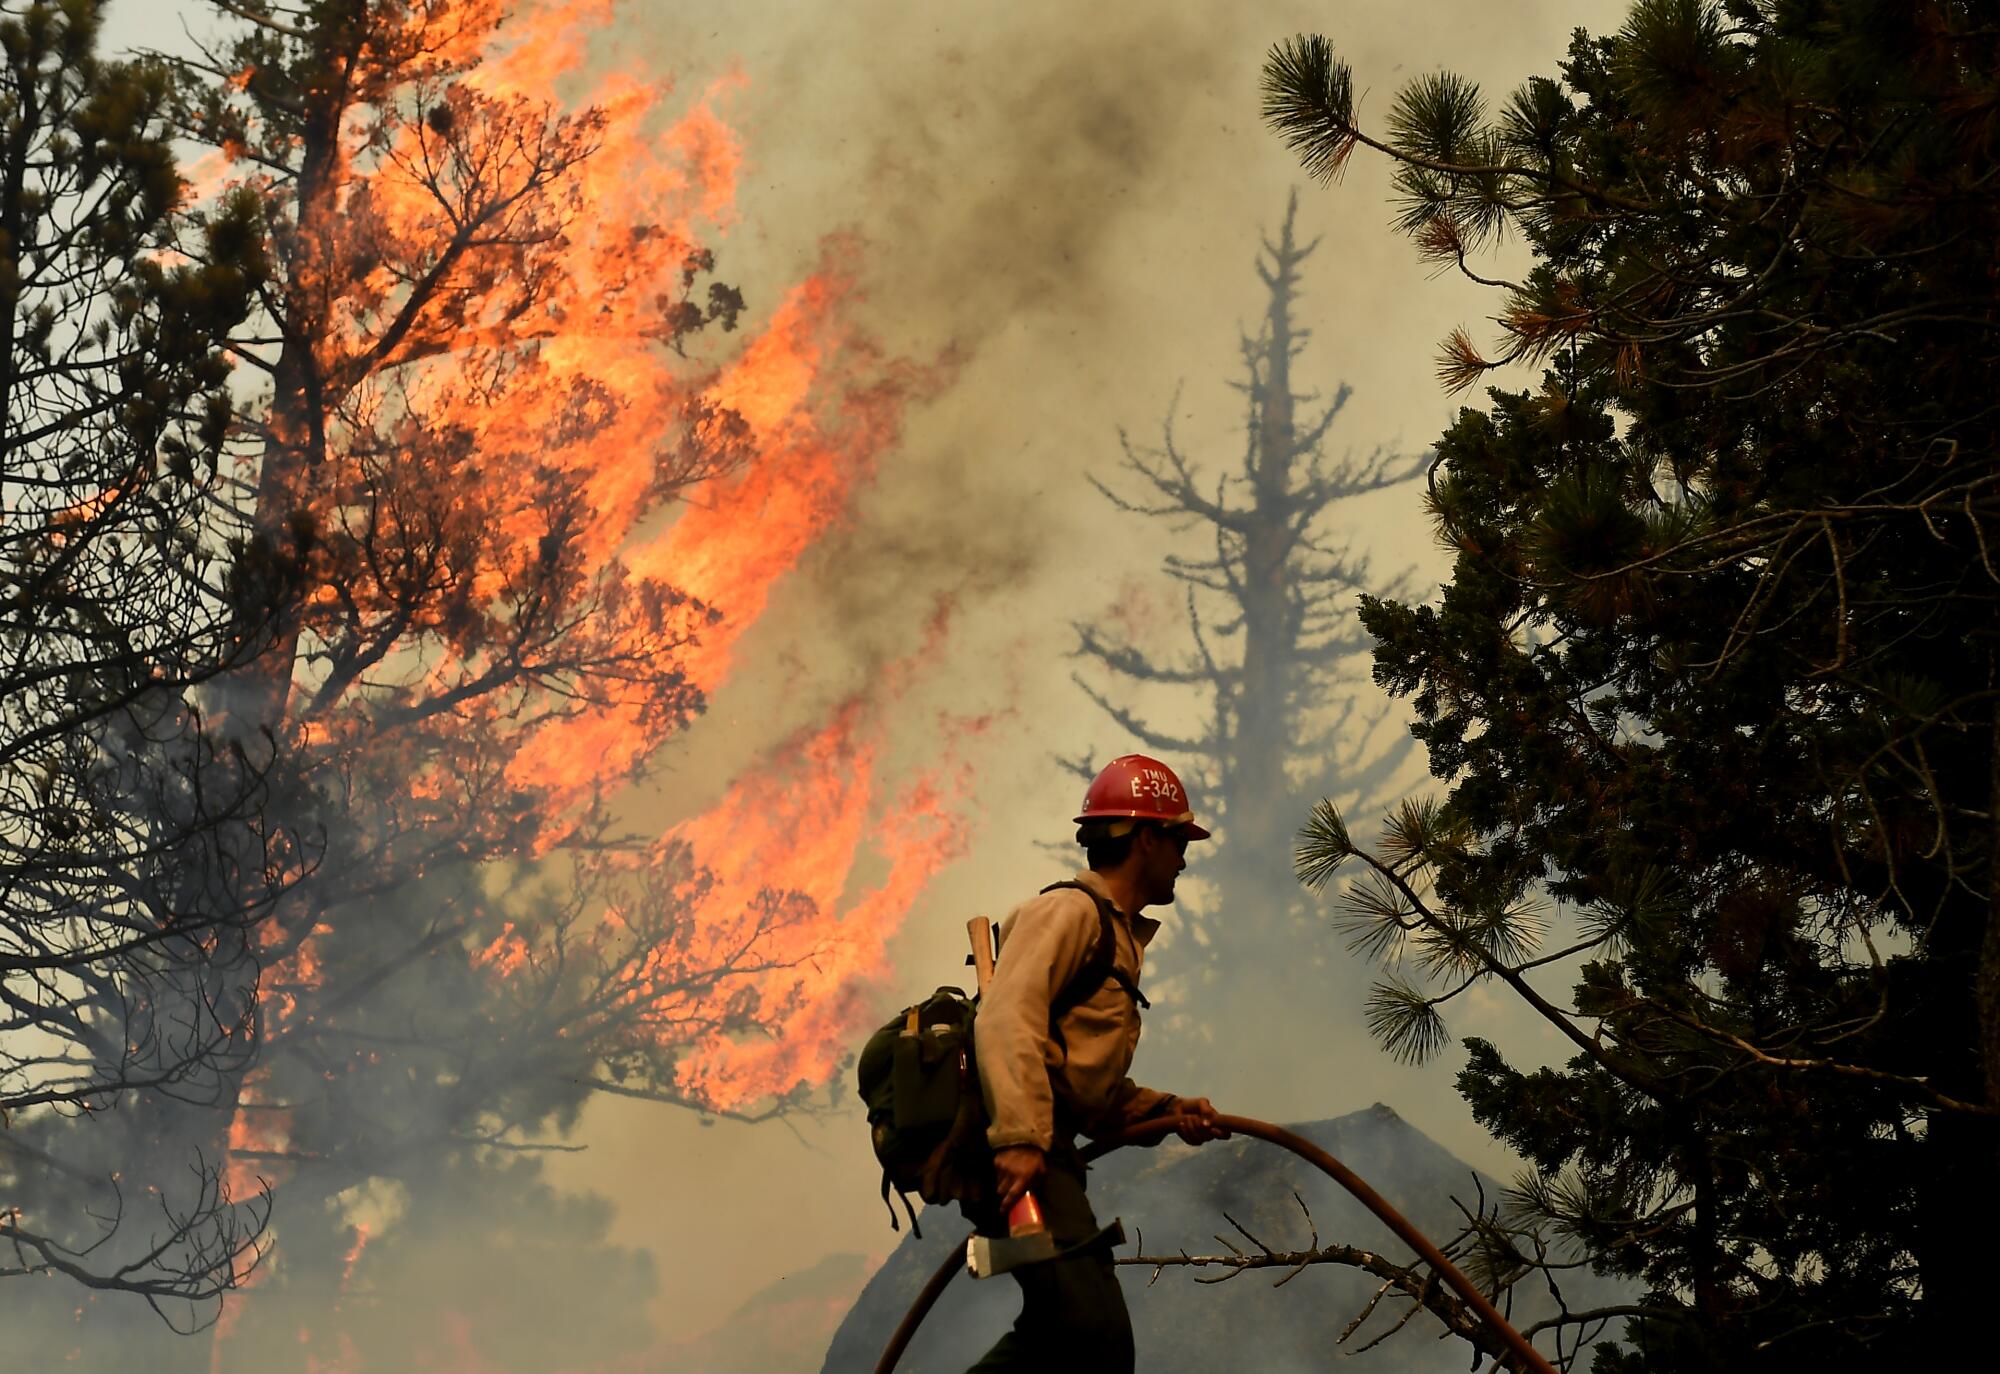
[1073, 1313]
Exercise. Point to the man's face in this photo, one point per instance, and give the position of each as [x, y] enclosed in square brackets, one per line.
[1162, 855]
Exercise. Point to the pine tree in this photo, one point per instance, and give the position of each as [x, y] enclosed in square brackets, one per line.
[1714, 682]
[1271, 675]
[127, 872]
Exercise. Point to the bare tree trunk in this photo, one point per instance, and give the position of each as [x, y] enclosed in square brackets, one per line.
[1259, 800]
[292, 445]
[295, 440]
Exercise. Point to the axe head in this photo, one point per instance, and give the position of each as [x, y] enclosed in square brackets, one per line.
[986, 1256]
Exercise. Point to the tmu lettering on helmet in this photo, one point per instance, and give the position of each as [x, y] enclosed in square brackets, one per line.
[1151, 782]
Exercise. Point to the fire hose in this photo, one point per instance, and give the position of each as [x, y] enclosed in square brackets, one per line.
[1149, 1132]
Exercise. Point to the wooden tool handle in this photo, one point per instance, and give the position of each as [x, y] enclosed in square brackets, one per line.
[981, 931]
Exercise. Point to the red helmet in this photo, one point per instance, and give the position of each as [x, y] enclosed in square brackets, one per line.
[1136, 788]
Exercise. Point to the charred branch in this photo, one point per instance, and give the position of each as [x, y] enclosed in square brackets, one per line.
[1415, 1284]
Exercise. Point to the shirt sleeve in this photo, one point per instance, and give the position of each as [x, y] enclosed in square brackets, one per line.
[1047, 941]
[1130, 1104]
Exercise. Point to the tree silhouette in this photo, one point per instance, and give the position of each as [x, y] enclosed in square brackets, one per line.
[131, 865]
[1268, 712]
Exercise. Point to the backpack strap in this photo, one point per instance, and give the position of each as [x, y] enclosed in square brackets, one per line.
[894, 1225]
[1102, 964]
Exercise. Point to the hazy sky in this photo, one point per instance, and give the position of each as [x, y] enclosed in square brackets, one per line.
[1071, 196]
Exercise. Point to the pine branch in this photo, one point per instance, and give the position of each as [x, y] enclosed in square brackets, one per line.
[1555, 1016]
[1914, 1086]
[1309, 101]
[262, 19]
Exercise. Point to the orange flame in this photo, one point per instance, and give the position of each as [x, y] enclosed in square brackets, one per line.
[812, 861]
[799, 825]
[737, 540]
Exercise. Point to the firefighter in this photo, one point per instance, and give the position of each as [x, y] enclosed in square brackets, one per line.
[1056, 1030]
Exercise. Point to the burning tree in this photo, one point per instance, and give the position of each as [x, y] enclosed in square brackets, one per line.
[1716, 668]
[1274, 642]
[134, 866]
[478, 387]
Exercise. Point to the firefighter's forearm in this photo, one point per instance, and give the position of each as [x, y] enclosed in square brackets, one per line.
[1131, 1103]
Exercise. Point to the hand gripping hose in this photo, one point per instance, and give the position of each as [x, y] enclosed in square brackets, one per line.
[1526, 1357]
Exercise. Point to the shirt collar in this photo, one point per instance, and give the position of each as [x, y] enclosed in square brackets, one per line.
[1143, 927]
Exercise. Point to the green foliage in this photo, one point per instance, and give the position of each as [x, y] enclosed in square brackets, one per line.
[1323, 845]
[1309, 99]
[1439, 117]
[1674, 64]
[1406, 1021]
[1716, 671]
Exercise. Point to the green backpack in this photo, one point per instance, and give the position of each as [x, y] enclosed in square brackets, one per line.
[920, 1081]
[925, 1116]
